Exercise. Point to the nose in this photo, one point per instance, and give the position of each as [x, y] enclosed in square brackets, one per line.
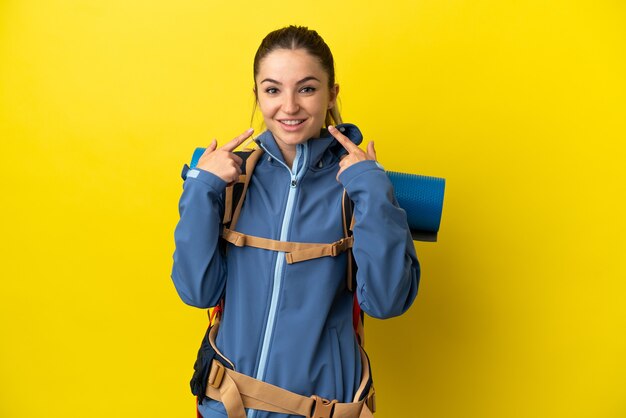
[290, 104]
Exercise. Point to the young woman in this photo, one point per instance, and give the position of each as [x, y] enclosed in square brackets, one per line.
[291, 324]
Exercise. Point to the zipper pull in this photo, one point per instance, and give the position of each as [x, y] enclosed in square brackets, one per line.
[294, 182]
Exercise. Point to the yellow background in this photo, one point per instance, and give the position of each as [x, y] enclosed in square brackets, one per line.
[520, 105]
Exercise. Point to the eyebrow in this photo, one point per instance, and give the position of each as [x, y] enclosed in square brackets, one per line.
[304, 80]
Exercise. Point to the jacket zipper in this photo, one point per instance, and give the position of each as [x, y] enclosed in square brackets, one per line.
[280, 258]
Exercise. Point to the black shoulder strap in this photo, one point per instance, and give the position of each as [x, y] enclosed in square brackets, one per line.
[347, 208]
[235, 194]
[235, 191]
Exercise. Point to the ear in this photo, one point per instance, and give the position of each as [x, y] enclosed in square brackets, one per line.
[256, 96]
[334, 92]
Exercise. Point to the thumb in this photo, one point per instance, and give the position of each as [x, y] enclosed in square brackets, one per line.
[371, 152]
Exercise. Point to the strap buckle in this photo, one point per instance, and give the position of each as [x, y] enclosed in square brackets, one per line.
[323, 407]
[340, 246]
[216, 375]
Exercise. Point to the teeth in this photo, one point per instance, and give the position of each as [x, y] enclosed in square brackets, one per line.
[292, 122]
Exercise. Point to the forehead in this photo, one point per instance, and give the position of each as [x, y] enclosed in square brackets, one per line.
[286, 65]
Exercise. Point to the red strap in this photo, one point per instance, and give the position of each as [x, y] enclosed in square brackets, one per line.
[216, 312]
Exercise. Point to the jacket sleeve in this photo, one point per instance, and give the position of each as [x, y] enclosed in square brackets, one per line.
[388, 270]
[199, 271]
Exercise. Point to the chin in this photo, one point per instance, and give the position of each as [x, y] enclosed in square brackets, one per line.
[294, 138]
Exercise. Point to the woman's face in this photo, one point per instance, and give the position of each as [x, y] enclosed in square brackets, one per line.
[293, 95]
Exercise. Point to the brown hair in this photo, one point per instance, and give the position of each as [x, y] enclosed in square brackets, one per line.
[301, 37]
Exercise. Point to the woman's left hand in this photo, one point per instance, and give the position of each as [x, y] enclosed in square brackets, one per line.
[355, 154]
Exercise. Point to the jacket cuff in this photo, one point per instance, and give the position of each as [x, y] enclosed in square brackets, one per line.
[356, 170]
[206, 177]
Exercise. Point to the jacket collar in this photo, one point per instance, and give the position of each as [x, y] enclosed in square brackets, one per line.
[318, 147]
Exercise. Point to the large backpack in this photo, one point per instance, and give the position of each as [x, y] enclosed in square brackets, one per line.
[422, 199]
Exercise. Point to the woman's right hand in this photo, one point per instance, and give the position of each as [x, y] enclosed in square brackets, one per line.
[222, 161]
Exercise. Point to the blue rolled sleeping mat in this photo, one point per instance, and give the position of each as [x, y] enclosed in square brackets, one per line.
[420, 196]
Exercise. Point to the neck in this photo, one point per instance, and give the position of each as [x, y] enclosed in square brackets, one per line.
[289, 154]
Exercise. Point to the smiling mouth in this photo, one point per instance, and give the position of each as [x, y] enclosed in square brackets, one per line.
[291, 122]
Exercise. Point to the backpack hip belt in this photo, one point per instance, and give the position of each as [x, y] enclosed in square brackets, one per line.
[237, 391]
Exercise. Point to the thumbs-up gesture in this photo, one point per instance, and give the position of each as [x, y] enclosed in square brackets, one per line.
[222, 161]
[355, 154]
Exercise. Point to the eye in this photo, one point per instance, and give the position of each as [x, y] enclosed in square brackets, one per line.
[271, 90]
[308, 89]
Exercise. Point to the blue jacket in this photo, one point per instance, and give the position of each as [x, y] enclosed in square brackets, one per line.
[291, 324]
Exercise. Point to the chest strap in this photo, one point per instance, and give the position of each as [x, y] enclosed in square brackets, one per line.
[295, 252]
[238, 391]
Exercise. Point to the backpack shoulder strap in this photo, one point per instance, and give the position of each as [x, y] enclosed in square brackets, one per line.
[358, 316]
[347, 211]
[235, 193]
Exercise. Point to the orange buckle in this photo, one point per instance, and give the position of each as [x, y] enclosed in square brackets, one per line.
[323, 407]
[216, 375]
